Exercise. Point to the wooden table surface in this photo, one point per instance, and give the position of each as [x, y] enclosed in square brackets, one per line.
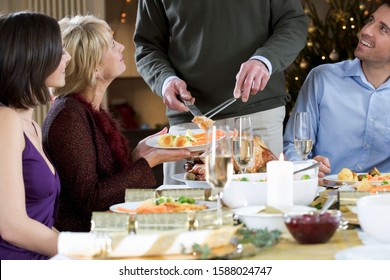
[289, 249]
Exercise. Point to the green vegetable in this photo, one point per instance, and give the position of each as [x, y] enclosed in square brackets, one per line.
[160, 200]
[182, 199]
[384, 183]
[305, 177]
[244, 179]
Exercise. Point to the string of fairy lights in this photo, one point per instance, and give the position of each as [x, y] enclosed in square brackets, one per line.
[123, 13]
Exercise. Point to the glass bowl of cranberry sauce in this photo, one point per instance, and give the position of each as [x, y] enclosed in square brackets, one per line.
[312, 228]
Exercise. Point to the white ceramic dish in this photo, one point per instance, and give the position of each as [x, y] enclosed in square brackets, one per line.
[252, 219]
[302, 164]
[152, 142]
[373, 215]
[254, 192]
[365, 252]
[133, 206]
[191, 183]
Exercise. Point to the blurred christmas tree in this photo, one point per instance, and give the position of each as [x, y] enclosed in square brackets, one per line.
[331, 38]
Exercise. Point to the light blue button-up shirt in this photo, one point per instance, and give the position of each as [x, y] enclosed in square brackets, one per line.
[350, 119]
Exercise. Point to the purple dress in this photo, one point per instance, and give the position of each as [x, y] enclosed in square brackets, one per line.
[42, 189]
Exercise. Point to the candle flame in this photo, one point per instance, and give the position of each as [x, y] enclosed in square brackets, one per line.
[281, 157]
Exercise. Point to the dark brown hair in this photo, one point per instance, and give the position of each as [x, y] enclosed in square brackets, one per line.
[30, 50]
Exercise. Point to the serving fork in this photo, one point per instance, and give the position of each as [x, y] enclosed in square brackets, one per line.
[196, 112]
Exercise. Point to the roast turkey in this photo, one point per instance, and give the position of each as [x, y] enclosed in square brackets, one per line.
[195, 169]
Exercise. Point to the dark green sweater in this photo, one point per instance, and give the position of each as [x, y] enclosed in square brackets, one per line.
[204, 42]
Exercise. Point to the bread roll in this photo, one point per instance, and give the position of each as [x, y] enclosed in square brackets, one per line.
[347, 175]
[165, 140]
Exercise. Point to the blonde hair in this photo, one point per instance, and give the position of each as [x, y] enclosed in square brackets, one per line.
[86, 40]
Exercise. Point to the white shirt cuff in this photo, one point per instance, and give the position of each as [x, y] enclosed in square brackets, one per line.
[167, 80]
[265, 61]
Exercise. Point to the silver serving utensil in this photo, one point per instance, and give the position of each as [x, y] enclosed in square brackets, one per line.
[220, 107]
[193, 109]
[308, 167]
[332, 196]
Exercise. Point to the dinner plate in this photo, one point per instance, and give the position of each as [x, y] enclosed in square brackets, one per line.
[334, 179]
[191, 183]
[134, 205]
[365, 252]
[320, 189]
[152, 142]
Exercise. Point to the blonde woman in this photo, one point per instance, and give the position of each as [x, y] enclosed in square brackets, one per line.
[83, 140]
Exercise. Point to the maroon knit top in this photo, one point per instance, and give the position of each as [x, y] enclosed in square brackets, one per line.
[92, 159]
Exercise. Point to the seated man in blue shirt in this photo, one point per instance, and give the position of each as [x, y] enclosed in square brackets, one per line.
[349, 105]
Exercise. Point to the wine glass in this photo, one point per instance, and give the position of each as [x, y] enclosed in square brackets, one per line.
[218, 162]
[302, 139]
[243, 143]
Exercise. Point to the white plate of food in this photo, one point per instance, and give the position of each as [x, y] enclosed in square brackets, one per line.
[131, 207]
[365, 252]
[334, 179]
[191, 183]
[181, 139]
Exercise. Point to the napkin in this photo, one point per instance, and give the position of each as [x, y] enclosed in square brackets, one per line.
[119, 245]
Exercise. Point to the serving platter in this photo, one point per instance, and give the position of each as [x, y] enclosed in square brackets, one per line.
[130, 207]
[191, 183]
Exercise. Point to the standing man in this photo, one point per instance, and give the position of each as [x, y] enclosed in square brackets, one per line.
[349, 103]
[207, 51]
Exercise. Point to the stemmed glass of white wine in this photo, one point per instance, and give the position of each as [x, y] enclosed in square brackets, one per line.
[218, 162]
[302, 139]
[243, 143]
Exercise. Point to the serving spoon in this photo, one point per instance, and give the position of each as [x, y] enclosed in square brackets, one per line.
[307, 168]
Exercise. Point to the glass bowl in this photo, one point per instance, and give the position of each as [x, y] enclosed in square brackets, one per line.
[313, 228]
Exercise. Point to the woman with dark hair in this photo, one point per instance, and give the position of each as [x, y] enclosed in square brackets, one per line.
[32, 59]
[83, 140]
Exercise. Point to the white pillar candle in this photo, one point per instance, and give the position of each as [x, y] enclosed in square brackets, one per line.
[280, 183]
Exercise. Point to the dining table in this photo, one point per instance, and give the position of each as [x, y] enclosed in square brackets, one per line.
[286, 247]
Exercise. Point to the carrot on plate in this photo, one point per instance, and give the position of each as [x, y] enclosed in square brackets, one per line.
[200, 135]
[123, 209]
[199, 142]
[380, 188]
[161, 208]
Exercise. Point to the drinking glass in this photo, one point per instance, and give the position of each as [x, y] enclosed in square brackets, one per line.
[243, 143]
[218, 162]
[302, 139]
